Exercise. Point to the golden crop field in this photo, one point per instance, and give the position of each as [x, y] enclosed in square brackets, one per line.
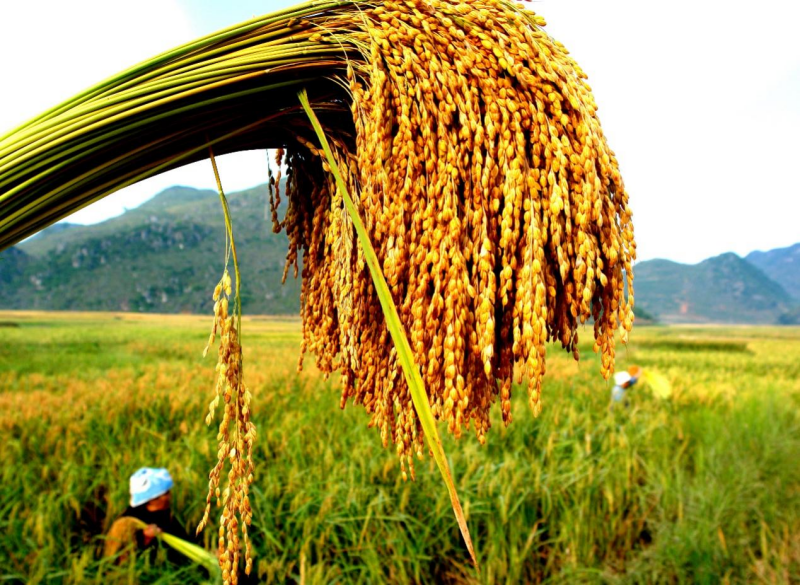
[703, 486]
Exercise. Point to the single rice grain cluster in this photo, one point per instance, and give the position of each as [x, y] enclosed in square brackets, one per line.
[236, 437]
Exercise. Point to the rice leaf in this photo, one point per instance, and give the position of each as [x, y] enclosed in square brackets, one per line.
[415, 384]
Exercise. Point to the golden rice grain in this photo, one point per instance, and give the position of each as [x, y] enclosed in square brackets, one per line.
[492, 199]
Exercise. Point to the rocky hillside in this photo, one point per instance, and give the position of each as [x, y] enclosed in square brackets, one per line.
[165, 256]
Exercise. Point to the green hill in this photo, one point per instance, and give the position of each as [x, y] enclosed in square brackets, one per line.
[164, 256]
[13, 263]
[723, 289]
[782, 265]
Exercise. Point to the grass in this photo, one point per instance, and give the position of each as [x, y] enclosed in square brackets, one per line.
[701, 488]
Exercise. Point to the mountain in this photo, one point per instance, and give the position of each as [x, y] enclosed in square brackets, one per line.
[39, 243]
[723, 289]
[13, 263]
[782, 265]
[165, 256]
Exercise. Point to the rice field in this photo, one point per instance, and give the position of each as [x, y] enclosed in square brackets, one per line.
[702, 487]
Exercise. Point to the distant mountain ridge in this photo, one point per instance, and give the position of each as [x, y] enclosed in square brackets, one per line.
[167, 254]
[782, 265]
[723, 289]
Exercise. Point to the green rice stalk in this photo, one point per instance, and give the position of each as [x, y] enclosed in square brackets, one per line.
[191, 551]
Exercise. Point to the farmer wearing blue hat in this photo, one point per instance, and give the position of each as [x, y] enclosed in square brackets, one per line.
[150, 504]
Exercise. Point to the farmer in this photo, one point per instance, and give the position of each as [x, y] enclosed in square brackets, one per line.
[150, 505]
[622, 381]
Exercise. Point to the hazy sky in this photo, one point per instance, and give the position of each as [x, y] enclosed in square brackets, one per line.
[700, 101]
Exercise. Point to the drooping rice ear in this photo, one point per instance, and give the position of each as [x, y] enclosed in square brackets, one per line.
[416, 386]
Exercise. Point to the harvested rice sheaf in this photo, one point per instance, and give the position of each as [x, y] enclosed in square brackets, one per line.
[492, 200]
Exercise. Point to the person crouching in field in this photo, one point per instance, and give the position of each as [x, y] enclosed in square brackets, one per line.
[150, 505]
[622, 382]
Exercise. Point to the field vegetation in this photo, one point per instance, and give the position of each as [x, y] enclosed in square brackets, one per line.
[702, 487]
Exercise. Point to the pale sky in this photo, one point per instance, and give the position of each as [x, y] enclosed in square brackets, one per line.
[700, 101]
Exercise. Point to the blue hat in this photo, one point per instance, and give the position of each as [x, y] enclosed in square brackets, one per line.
[148, 483]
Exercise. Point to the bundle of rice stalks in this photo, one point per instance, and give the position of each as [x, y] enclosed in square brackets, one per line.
[469, 142]
[658, 383]
[197, 554]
